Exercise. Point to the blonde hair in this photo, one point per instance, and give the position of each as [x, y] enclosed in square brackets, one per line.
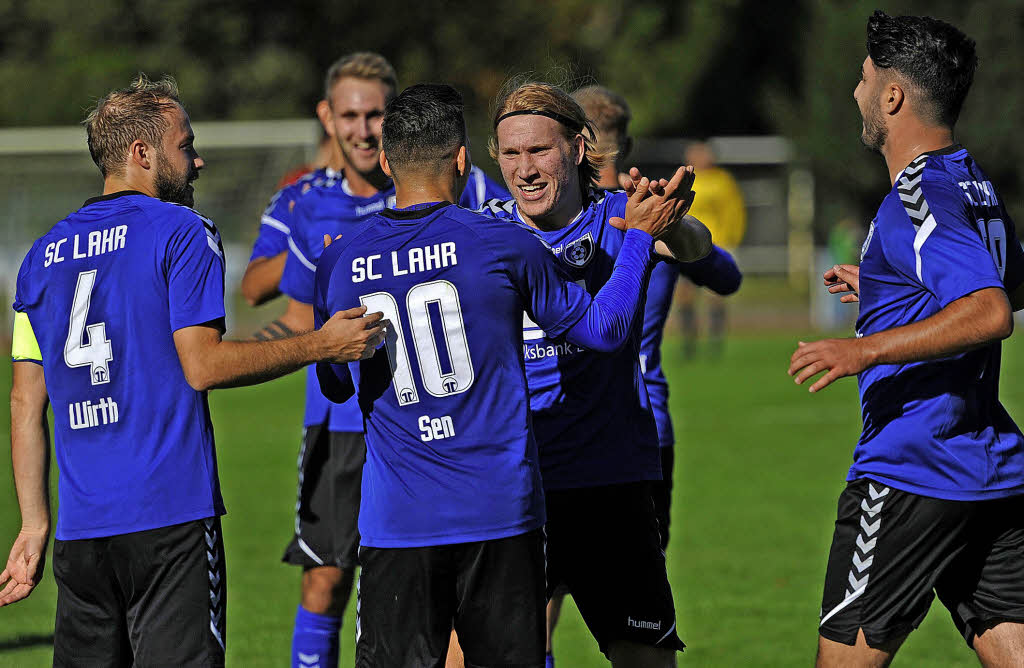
[548, 99]
[607, 110]
[126, 115]
[361, 65]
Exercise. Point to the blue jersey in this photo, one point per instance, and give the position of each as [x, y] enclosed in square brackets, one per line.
[936, 428]
[276, 221]
[590, 409]
[325, 205]
[479, 189]
[719, 273]
[104, 290]
[451, 456]
[320, 211]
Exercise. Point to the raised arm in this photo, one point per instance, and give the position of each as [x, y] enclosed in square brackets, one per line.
[30, 455]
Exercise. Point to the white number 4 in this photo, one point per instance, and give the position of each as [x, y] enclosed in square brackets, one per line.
[97, 352]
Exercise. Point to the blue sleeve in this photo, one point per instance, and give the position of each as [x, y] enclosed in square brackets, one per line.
[335, 379]
[195, 274]
[717, 271]
[945, 252]
[606, 324]
[272, 239]
[300, 266]
[550, 297]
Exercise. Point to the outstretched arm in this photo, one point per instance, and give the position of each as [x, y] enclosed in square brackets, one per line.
[30, 455]
[208, 361]
[970, 322]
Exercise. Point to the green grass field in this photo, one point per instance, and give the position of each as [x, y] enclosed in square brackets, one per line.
[759, 465]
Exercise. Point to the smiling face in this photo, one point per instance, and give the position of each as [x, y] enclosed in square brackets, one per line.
[178, 163]
[874, 132]
[540, 167]
[356, 112]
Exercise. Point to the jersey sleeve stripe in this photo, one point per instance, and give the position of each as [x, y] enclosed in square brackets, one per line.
[302, 258]
[275, 223]
[214, 246]
[911, 194]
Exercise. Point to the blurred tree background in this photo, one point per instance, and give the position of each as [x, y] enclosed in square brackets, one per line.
[690, 69]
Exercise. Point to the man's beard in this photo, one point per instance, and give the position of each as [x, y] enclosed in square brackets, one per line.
[875, 133]
[173, 187]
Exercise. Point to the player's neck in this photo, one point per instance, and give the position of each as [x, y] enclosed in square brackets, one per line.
[115, 184]
[903, 145]
[411, 194]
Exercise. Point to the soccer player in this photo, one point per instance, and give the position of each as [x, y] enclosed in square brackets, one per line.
[270, 250]
[610, 114]
[597, 439]
[452, 503]
[935, 496]
[357, 88]
[119, 316]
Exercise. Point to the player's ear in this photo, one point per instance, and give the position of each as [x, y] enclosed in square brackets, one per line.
[894, 97]
[581, 148]
[462, 161]
[323, 112]
[141, 154]
[384, 164]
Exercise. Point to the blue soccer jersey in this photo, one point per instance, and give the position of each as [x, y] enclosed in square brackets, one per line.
[936, 428]
[590, 409]
[104, 290]
[276, 221]
[320, 211]
[479, 189]
[719, 273]
[325, 205]
[450, 453]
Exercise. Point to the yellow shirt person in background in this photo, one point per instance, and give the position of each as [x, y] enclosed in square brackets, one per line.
[719, 205]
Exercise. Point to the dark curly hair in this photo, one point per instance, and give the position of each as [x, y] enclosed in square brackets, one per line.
[933, 56]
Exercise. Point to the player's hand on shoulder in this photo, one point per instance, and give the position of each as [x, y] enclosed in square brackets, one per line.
[837, 357]
[24, 566]
[352, 335]
[844, 278]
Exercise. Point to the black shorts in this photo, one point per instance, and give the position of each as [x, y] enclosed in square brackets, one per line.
[491, 591]
[891, 549]
[149, 598]
[603, 544]
[327, 507]
[661, 493]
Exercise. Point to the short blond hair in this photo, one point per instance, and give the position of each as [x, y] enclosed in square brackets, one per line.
[126, 115]
[361, 65]
[550, 99]
[607, 110]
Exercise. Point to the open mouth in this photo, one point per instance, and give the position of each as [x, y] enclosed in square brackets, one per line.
[532, 191]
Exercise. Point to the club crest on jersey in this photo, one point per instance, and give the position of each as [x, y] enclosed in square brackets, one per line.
[578, 253]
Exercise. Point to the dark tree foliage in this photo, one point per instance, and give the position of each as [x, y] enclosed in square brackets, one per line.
[695, 68]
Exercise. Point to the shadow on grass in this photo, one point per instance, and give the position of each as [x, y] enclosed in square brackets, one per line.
[26, 641]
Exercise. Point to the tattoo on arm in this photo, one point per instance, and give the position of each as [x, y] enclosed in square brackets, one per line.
[275, 330]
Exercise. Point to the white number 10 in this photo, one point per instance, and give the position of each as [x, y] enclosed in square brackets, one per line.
[442, 374]
[97, 353]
